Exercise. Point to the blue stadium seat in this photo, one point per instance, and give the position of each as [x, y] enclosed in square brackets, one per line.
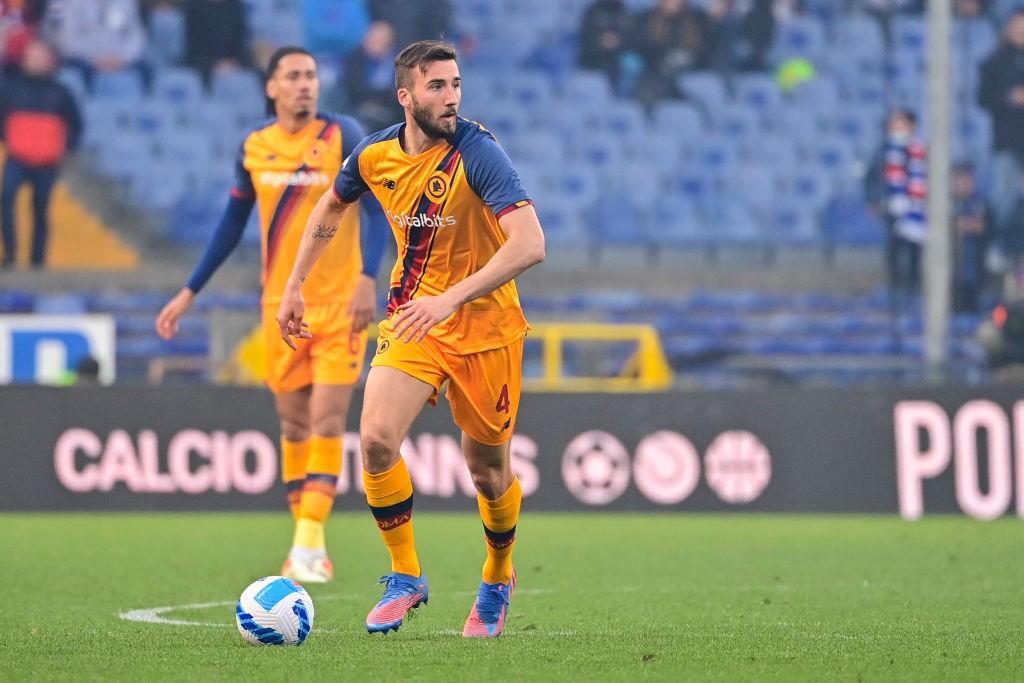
[859, 34]
[560, 219]
[738, 122]
[598, 153]
[678, 120]
[732, 221]
[791, 222]
[798, 37]
[528, 89]
[810, 189]
[615, 218]
[126, 155]
[625, 120]
[909, 33]
[757, 91]
[717, 155]
[755, 183]
[118, 85]
[241, 88]
[186, 148]
[181, 87]
[674, 221]
[588, 90]
[705, 88]
[152, 118]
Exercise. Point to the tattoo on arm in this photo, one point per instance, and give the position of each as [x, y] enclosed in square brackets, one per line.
[324, 232]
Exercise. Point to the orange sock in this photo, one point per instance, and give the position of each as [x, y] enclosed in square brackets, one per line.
[318, 490]
[500, 517]
[390, 497]
[294, 455]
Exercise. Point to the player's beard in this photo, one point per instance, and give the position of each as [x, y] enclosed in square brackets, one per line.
[433, 127]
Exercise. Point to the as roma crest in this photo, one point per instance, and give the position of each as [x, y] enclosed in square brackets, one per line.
[437, 186]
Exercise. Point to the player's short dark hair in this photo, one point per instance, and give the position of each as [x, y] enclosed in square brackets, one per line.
[418, 56]
[275, 61]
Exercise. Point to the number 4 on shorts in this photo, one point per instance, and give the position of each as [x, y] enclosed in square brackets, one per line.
[503, 405]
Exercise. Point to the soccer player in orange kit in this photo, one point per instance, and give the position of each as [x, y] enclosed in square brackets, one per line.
[465, 228]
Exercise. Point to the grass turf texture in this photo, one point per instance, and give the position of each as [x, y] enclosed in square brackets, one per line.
[602, 597]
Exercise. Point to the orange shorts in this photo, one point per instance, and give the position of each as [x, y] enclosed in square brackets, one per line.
[334, 355]
[483, 388]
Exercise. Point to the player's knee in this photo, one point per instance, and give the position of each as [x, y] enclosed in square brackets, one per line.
[491, 478]
[379, 447]
[329, 425]
[294, 429]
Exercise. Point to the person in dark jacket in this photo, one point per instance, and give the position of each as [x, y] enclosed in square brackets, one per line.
[216, 36]
[1001, 92]
[605, 32]
[39, 125]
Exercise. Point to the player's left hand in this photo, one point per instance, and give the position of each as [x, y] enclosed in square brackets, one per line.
[416, 317]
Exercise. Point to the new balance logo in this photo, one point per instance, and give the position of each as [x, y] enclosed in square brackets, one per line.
[508, 423]
[388, 184]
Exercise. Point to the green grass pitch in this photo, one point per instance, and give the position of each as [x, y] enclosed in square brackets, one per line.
[658, 596]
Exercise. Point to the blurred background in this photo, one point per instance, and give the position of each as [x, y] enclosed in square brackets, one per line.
[716, 178]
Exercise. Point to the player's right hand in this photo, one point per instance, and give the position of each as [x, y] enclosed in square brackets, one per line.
[289, 317]
[167, 320]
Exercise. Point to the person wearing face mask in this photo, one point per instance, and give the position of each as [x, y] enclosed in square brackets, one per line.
[897, 189]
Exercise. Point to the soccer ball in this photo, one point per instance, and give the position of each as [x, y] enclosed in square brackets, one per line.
[274, 611]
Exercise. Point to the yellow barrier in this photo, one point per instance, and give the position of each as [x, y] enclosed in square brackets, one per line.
[646, 370]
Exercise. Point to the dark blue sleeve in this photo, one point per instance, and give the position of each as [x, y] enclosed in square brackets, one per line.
[374, 231]
[349, 185]
[225, 239]
[243, 189]
[490, 174]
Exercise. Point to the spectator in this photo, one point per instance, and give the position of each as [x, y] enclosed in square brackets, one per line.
[39, 125]
[971, 232]
[896, 186]
[672, 38]
[370, 79]
[969, 9]
[97, 35]
[604, 38]
[741, 34]
[414, 19]
[216, 36]
[1001, 92]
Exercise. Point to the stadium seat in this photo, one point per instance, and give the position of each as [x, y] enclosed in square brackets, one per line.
[118, 85]
[181, 87]
[859, 35]
[674, 222]
[528, 89]
[625, 120]
[792, 223]
[152, 118]
[737, 122]
[810, 189]
[238, 87]
[909, 33]
[798, 36]
[759, 92]
[678, 120]
[588, 90]
[705, 88]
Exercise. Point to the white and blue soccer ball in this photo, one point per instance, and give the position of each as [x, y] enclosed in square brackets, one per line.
[274, 611]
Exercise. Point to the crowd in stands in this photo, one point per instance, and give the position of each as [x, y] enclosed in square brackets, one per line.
[651, 52]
